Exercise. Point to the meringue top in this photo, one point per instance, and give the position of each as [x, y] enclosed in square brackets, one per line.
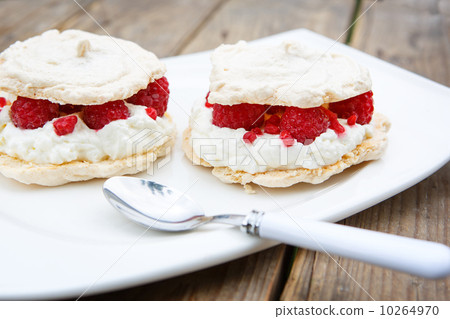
[289, 74]
[77, 67]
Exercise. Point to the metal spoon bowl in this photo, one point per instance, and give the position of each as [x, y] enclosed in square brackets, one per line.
[155, 205]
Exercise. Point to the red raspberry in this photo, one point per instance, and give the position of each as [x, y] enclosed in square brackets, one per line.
[65, 125]
[274, 120]
[271, 129]
[257, 131]
[97, 116]
[151, 112]
[334, 123]
[156, 95]
[70, 108]
[2, 102]
[352, 120]
[236, 116]
[305, 124]
[361, 106]
[30, 114]
[207, 104]
[249, 137]
[272, 109]
[287, 139]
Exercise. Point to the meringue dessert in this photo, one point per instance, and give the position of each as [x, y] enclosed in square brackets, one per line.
[76, 106]
[277, 115]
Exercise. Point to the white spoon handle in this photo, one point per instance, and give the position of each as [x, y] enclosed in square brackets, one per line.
[414, 256]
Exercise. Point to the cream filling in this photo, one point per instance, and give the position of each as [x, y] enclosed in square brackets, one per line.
[118, 139]
[222, 146]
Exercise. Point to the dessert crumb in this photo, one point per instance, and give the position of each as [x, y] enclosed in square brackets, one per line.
[249, 189]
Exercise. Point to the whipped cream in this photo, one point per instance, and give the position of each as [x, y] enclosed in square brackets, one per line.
[116, 140]
[221, 146]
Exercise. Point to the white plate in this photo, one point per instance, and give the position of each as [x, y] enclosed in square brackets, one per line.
[58, 242]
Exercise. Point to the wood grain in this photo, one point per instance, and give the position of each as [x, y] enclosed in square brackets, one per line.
[160, 26]
[257, 277]
[248, 20]
[21, 19]
[413, 35]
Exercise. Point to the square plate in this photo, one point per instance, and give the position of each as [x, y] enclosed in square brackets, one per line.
[58, 242]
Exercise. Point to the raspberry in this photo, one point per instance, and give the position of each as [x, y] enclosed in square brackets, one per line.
[361, 106]
[271, 129]
[151, 112]
[257, 131]
[287, 139]
[70, 108]
[97, 116]
[249, 137]
[30, 114]
[65, 125]
[272, 109]
[236, 116]
[334, 123]
[274, 120]
[304, 124]
[352, 120]
[156, 95]
[207, 104]
[2, 102]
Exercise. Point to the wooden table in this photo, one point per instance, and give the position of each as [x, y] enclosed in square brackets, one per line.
[410, 33]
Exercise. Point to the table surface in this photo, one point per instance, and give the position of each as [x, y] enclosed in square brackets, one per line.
[412, 34]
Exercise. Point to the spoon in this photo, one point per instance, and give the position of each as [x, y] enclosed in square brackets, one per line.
[163, 208]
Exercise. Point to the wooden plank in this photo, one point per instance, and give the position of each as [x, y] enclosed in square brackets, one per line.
[299, 279]
[21, 19]
[250, 278]
[413, 35]
[160, 26]
[249, 20]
